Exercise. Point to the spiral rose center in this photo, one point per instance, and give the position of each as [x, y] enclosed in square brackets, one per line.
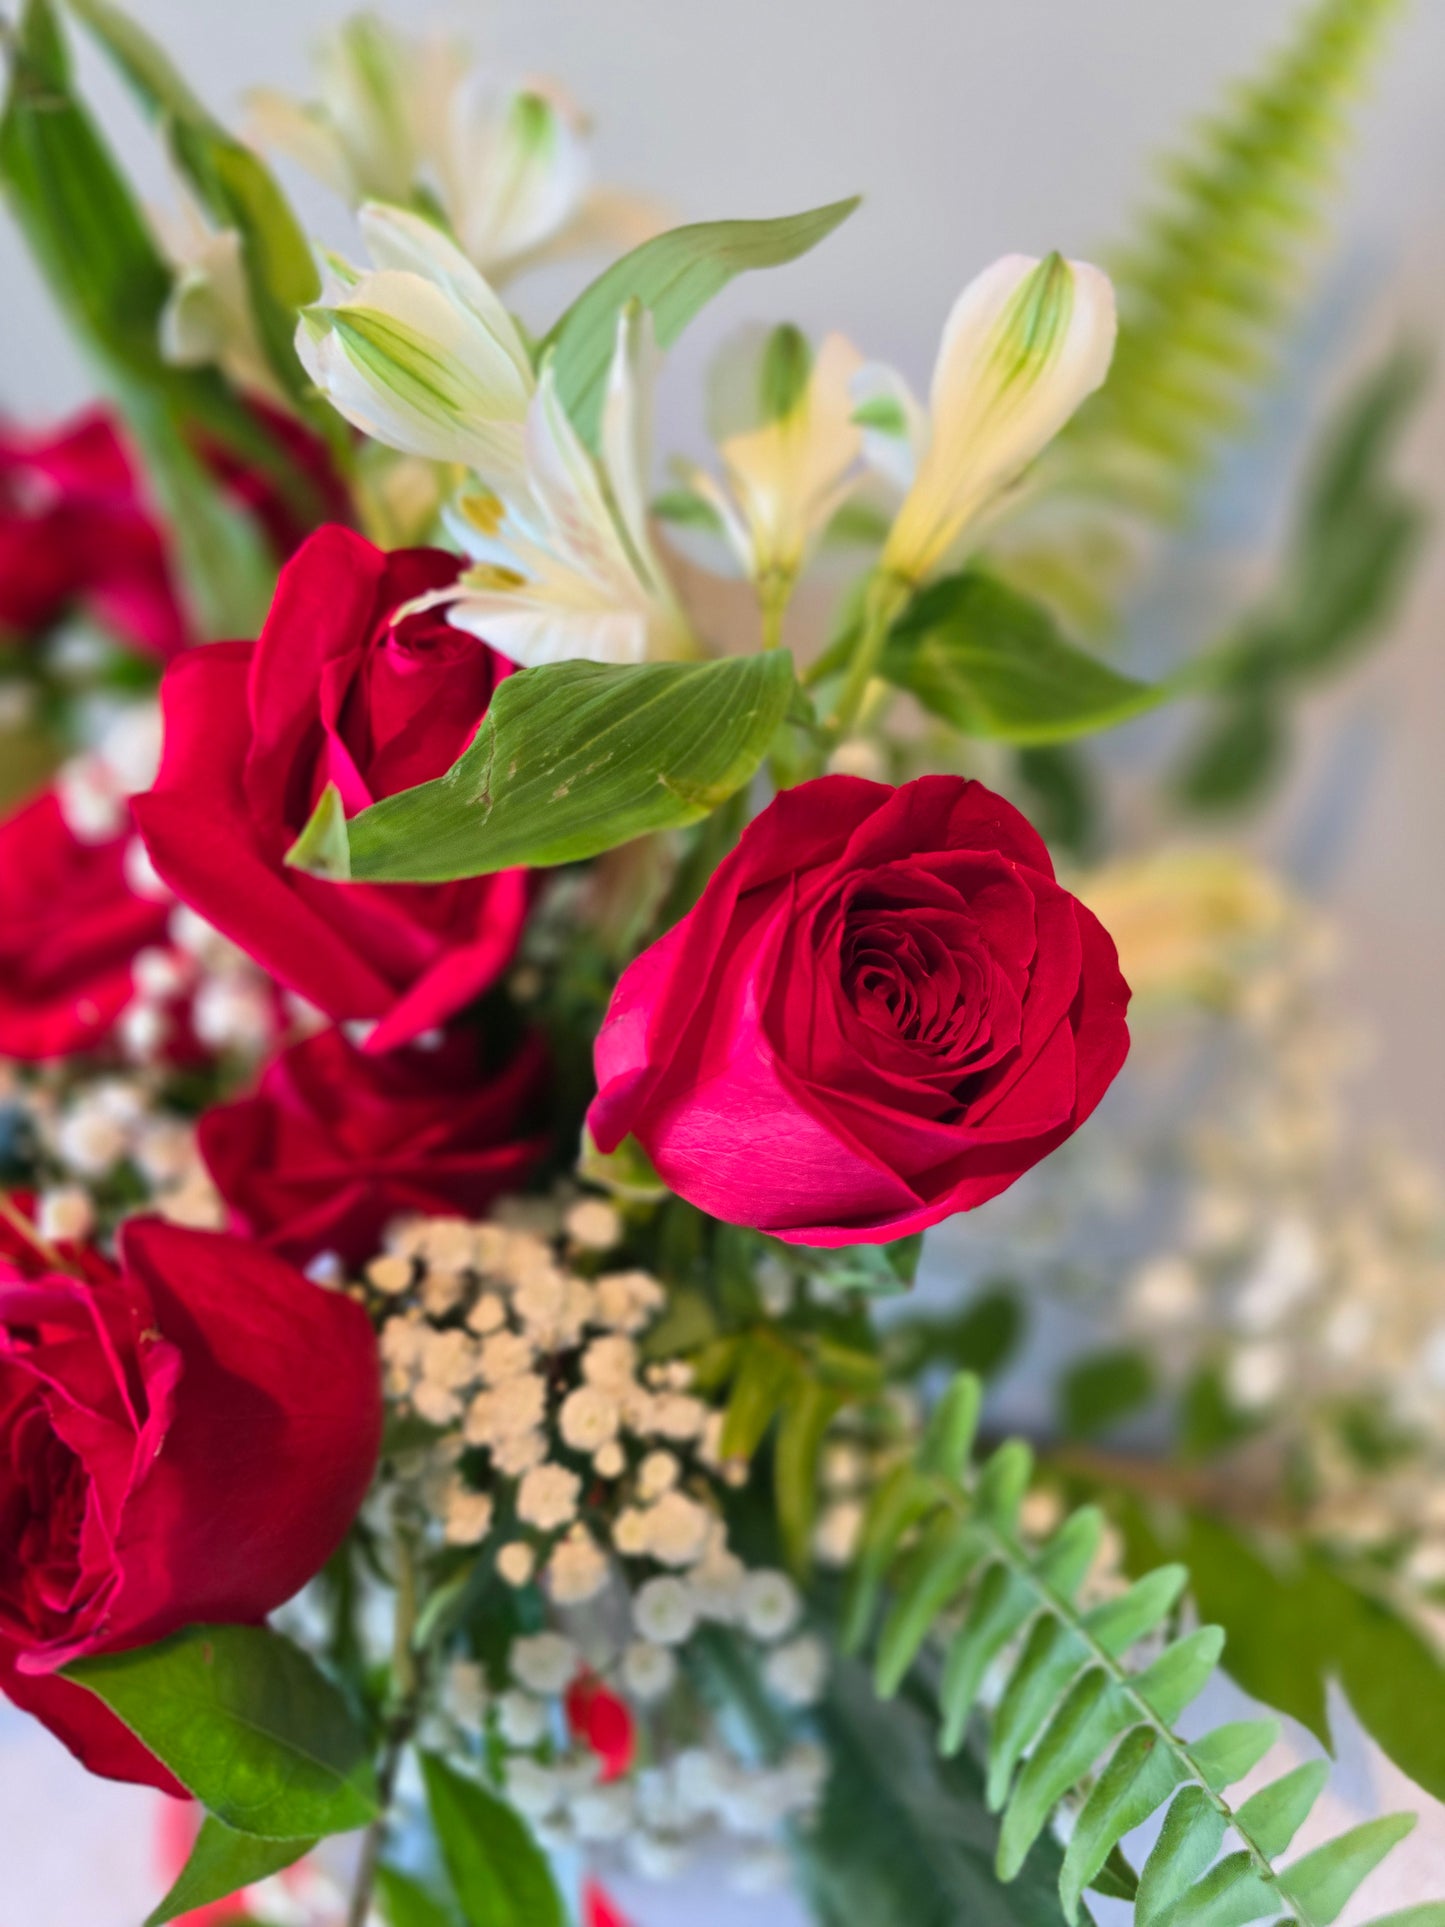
[43, 1504]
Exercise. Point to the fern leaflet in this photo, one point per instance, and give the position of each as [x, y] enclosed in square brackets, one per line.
[942, 1537]
[1204, 293]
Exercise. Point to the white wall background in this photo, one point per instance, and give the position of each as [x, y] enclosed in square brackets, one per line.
[973, 127]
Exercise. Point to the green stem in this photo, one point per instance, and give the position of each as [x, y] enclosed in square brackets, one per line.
[406, 1684]
[884, 602]
[775, 592]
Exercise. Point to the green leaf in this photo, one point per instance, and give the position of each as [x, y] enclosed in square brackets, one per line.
[1295, 1621]
[1103, 1389]
[809, 1412]
[1191, 1836]
[1095, 1712]
[247, 1723]
[407, 1903]
[222, 1863]
[572, 759]
[1321, 1883]
[992, 663]
[979, 1339]
[1229, 1752]
[1181, 1673]
[87, 232]
[1230, 1895]
[231, 182]
[1273, 1816]
[932, 1577]
[498, 1872]
[902, 1839]
[1137, 1781]
[673, 275]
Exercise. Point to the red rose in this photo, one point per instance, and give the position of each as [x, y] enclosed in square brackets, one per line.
[332, 693]
[70, 927]
[335, 1143]
[882, 1010]
[184, 1438]
[75, 532]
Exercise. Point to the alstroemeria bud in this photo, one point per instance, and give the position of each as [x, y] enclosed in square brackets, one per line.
[1025, 343]
[419, 352]
[791, 459]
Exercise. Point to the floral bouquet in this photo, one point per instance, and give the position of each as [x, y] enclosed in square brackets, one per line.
[484, 1035]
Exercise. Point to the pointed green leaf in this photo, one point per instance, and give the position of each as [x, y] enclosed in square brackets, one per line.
[809, 1412]
[247, 1723]
[934, 1574]
[999, 1609]
[1230, 1895]
[498, 1872]
[1052, 1658]
[1002, 1483]
[1181, 1673]
[673, 276]
[1096, 1711]
[1322, 1882]
[407, 1903]
[221, 1863]
[1430, 1913]
[1229, 1752]
[1272, 1817]
[900, 1502]
[1191, 1836]
[1118, 1623]
[574, 758]
[992, 663]
[952, 1424]
[1137, 1781]
[232, 183]
[1067, 1559]
[767, 1376]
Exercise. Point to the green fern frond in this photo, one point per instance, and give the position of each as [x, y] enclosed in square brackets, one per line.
[942, 1539]
[1204, 293]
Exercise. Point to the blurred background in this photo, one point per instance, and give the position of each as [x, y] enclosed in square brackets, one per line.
[972, 129]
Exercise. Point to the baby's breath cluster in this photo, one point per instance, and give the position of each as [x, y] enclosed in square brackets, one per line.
[592, 1478]
[96, 1148]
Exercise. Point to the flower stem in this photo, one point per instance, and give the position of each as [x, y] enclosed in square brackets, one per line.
[775, 592]
[406, 1684]
[884, 602]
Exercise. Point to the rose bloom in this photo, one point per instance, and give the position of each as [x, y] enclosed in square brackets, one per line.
[184, 1439]
[335, 1143]
[76, 534]
[882, 1010]
[70, 928]
[332, 693]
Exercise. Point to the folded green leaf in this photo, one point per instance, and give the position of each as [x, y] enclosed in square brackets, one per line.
[992, 663]
[498, 1872]
[673, 275]
[248, 1724]
[221, 1863]
[573, 758]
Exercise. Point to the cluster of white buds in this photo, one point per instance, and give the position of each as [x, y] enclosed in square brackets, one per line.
[1310, 1262]
[594, 1476]
[106, 1142]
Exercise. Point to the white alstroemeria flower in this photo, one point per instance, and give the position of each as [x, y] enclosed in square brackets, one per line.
[564, 565]
[419, 352]
[1026, 342]
[411, 121]
[383, 100]
[208, 320]
[794, 463]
